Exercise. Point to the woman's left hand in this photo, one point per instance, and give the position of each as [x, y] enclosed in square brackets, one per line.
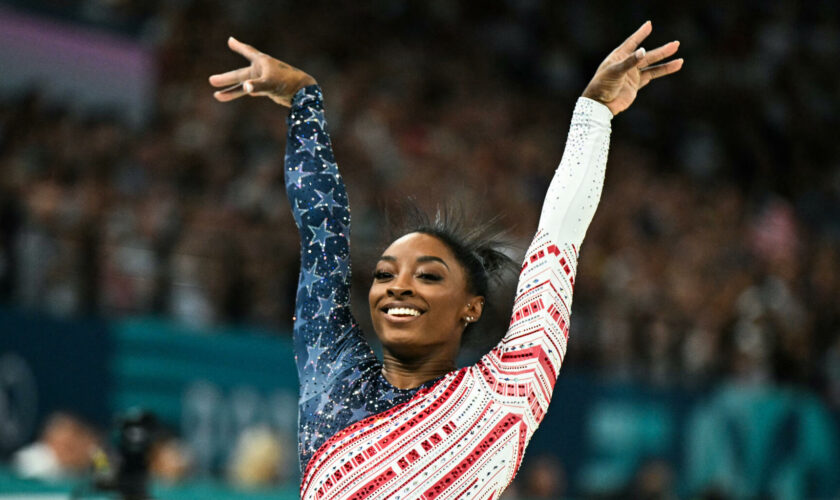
[265, 76]
[628, 68]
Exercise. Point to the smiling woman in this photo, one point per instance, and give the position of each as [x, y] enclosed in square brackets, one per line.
[414, 426]
[471, 258]
[420, 303]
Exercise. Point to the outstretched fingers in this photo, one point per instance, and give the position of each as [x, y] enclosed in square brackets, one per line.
[235, 81]
[231, 77]
[660, 70]
[244, 49]
[660, 53]
[636, 38]
[230, 93]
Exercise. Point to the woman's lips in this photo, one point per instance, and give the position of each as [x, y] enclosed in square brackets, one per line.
[400, 319]
[401, 314]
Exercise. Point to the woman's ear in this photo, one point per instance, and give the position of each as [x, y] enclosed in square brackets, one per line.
[473, 309]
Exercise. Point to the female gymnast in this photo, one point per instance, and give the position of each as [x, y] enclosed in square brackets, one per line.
[414, 426]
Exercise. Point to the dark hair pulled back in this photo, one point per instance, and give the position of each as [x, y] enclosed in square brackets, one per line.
[477, 245]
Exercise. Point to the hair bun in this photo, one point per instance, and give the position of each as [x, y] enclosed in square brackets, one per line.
[494, 261]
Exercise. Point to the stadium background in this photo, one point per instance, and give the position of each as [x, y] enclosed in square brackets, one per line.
[147, 255]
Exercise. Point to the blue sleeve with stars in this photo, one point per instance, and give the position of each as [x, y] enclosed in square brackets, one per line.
[323, 322]
[333, 358]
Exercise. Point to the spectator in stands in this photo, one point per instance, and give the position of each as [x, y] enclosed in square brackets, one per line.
[64, 449]
[259, 460]
[169, 459]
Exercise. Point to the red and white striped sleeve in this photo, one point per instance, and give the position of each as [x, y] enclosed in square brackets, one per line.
[523, 367]
[465, 436]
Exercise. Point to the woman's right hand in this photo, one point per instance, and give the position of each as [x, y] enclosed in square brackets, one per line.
[266, 76]
[628, 68]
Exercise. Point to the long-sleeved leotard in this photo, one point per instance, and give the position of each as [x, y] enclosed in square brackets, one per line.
[463, 435]
[341, 379]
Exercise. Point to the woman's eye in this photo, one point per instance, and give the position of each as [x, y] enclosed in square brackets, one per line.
[429, 277]
[382, 275]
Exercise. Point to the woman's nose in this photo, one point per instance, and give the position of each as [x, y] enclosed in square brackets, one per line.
[400, 291]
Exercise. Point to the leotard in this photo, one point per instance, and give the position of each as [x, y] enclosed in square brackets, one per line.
[462, 435]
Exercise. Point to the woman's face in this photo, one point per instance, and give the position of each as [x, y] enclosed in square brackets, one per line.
[419, 298]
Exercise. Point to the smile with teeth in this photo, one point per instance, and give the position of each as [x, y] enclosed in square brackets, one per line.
[402, 311]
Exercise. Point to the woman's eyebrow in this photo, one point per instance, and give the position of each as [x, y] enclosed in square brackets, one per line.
[422, 258]
[431, 258]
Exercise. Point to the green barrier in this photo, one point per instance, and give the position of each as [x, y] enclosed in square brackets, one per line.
[15, 487]
[208, 385]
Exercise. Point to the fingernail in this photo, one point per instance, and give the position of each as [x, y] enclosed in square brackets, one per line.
[248, 86]
[640, 52]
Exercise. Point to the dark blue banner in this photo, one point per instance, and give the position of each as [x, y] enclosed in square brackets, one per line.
[49, 365]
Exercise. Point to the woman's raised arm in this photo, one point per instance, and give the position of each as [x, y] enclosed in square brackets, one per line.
[326, 337]
[525, 365]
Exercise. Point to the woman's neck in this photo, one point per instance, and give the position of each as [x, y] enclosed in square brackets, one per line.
[409, 373]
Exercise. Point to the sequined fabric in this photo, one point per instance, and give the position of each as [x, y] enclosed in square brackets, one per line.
[464, 435]
[341, 379]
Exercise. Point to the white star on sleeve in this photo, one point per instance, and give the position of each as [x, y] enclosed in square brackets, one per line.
[295, 177]
[325, 305]
[317, 117]
[309, 277]
[320, 234]
[308, 145]
[327, 200]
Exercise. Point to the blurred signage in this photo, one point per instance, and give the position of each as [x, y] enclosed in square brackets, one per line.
[209, 386]
[758, 441]
[48, 365]
[742, 441]
[80, 69]
[18, 401]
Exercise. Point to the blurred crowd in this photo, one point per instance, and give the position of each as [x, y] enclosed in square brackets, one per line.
[715, 251]
[69, 448]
